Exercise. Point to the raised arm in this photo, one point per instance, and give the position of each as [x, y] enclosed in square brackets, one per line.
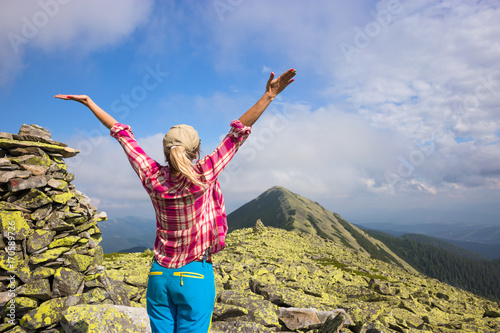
[273, 88]
[102, 115]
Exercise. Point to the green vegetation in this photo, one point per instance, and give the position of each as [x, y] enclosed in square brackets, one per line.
[478, 276]
[375, 251]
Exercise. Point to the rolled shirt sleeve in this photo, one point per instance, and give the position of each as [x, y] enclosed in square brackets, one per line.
[142, 164]
[212, 165]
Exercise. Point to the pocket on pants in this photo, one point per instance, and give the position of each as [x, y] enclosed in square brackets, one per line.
[189, 275]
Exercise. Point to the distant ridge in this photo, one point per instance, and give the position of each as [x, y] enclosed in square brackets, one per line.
[280, 208]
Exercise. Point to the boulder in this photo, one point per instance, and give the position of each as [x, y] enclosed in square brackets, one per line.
[105, 319]
[34, 130]
[66, 282]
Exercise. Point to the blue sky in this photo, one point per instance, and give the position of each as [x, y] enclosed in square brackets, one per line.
[394, 108]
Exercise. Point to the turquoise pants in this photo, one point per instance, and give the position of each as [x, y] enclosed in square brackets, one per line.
[181, 299]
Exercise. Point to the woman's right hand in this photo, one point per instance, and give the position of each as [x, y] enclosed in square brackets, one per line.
[84, 99]
[275, 86]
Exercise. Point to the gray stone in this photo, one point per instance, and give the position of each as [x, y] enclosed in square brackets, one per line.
[295, 318]
[19, 184]
[6, 176]
[58, 184]
[34, 130]
[5, 135]
[41, 213]
[26, 151]
[4, 161]
[58, 224]
[334, 323]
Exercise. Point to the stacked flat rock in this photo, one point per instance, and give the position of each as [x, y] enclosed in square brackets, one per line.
[50, 258]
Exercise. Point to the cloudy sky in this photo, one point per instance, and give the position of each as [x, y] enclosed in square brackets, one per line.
[394, 111]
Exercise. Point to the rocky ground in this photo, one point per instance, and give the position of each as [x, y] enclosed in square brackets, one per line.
[264, 275]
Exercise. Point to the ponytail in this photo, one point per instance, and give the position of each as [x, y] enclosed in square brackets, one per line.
[181, 161]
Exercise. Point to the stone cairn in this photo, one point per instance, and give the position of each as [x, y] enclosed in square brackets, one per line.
[50, 259]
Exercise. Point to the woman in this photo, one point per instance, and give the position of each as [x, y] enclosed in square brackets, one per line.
[190, 213]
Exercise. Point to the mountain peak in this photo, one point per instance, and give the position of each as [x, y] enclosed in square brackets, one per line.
[280, 208]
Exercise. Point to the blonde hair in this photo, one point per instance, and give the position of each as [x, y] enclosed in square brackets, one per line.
[181, 160]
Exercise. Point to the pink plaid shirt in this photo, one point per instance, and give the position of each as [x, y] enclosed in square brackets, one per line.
[189, 218]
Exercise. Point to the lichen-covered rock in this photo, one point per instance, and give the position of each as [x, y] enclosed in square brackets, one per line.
[259, 310]
[239, 327]
[48, 255]
[38, 165]
[23, 304]
[66, 282]
[34, 199]
[14, 226]
[48, 147]
[39, 239]
[79, 262]
[38, 288]
[58, 184]
[43, 272]
[105, 319]
[50, 235]
[224, 311]
[65, 241]
[62, 198]
[48, 313]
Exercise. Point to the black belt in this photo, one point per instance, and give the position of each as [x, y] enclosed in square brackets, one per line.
[209, 260]
[205, 257]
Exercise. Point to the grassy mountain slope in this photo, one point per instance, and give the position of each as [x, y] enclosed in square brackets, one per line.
[280, 208]
[446, 263]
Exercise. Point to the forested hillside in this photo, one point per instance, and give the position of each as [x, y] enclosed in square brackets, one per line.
[478, 276]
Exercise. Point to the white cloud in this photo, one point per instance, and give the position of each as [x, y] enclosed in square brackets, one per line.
[55, 25]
